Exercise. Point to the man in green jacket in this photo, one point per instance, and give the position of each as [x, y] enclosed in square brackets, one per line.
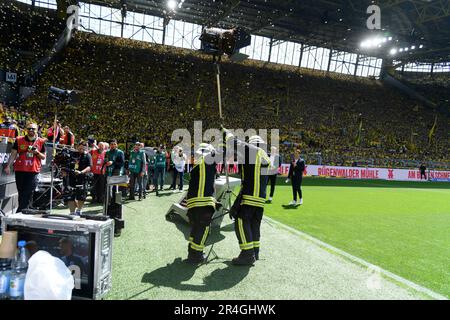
[151, 169]
[136, 170]
[160, 168]
[115, 161]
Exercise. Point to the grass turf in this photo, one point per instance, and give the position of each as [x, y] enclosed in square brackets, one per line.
[399, 226]
[147, 264]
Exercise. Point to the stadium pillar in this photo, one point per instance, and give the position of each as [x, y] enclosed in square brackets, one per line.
[165, 23]
[301, 55]
[356, 65]
[329, 60]
[270, 49]
[123, 12]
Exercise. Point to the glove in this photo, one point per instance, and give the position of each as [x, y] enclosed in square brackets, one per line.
[234, 210]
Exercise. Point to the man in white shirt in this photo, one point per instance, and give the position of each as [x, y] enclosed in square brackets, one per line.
[179, 161]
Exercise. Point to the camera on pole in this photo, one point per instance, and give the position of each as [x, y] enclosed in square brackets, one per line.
[218, 42]
[63, 96]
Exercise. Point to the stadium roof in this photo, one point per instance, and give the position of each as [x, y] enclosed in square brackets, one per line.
[336, 24]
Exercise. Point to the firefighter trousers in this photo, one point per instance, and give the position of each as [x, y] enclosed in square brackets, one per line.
[247, 227]
[200, 219]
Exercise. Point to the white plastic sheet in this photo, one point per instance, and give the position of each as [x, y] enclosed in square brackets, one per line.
[48, 278]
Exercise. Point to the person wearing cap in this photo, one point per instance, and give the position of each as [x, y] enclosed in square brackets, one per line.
[179, 162]
[160, 168]
[296, 176]
[137, 165]
[200, 201]
[248, 208]
[29, 151]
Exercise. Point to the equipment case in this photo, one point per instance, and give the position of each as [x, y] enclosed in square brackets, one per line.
[85, 246]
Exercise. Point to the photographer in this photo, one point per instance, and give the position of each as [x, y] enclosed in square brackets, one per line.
[29, 151]
[78, 179]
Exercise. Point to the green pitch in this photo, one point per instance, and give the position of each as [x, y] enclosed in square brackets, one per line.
[402, 227]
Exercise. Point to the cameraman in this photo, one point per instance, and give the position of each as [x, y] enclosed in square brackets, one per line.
[29, 151]
[77, 179]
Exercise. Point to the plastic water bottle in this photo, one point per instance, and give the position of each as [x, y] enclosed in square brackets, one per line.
[19, 271]
[5, 277]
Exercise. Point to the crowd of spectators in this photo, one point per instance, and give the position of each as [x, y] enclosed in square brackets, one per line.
[146, 91]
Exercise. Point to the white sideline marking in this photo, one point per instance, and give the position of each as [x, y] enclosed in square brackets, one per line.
[360, 261]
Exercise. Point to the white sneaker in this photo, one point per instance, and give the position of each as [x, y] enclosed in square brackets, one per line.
[292, 203]
[301, 201]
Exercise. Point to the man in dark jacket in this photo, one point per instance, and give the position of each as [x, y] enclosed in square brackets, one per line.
[275, 161]
[423, 172]
[296, 176]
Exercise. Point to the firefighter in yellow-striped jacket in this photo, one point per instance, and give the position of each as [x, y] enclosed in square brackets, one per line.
[201, 202]
[248, 208]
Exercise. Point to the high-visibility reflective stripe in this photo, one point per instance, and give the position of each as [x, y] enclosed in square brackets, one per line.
[205, 235]
[256, 244]
[248, 246]
[201, 189]
[251, 198]
[257, 174]
[196, 246]
[252, 204]
[202, 202]
[200, 199]
[200, 205]
[241, 231]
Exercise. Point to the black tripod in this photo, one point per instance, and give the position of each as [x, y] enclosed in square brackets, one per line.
[226, 208]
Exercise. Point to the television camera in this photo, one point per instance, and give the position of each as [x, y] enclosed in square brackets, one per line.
[65, 162]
